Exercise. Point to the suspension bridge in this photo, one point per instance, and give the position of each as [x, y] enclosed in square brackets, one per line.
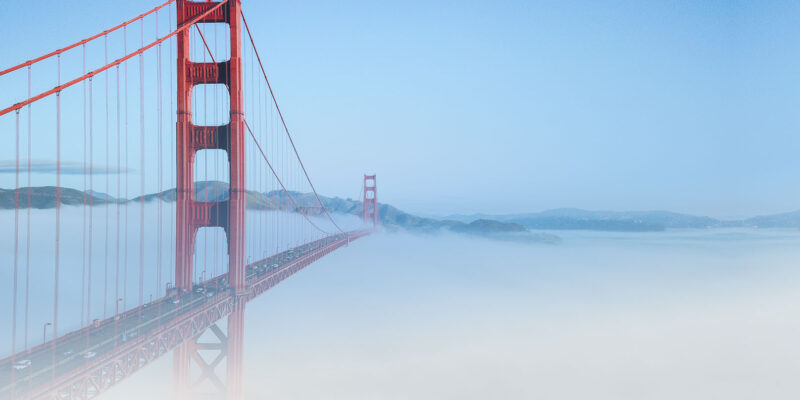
[155, 190]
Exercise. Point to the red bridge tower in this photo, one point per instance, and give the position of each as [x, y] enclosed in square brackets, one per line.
[370, 200]
[228, 214]
[193, 214]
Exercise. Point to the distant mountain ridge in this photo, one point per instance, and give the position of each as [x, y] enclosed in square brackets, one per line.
[782, 220]
[574, 218]
[212, 191]
[556, 219]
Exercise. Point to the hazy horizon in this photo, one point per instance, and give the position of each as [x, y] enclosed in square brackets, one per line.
[516, 106]
[458, 108]
[466, 214]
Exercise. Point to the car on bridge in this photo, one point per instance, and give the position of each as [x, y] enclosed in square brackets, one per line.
[22, 364]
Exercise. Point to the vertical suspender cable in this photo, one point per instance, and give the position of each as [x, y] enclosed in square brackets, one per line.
[28, 225]
[205, 171]
[255, 107]
[160, 172]
[14, 294]
[141, 171]
[119, 194]
[16, 237]
[91, 201]
[247, 155]
[116, 264]
[216, 167]
[261, 115]
[58, 223]
[270, 186]
[83, 227]
[106, 173]
[58, 204]
[16, 231]
[172, 158]
[127, 190]
[278, 211]
[160, 157]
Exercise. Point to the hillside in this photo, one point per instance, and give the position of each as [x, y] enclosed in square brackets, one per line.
[45, 197]
[633, 221]
[783, 220]
[393, 218]
[390, 217]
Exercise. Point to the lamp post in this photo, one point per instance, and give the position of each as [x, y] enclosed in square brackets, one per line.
[116, 311]
[44, 332]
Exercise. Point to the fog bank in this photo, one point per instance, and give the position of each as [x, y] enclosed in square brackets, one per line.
[689, 315]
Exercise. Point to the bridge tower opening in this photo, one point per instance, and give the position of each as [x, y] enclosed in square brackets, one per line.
[370, 200]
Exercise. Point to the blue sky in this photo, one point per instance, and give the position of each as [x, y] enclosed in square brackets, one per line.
[514, 106]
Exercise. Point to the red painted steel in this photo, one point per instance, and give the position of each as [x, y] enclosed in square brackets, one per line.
[229, 214]
[235, 352]
[370, 202]
[192, 214]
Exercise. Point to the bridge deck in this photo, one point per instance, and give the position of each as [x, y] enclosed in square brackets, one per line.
[88, 361]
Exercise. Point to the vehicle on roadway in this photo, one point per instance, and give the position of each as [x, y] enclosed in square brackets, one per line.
[22, 364]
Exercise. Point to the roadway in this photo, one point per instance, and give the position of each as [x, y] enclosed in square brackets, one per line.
[78, 351]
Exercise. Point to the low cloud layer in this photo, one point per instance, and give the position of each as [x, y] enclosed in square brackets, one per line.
[605, 316]
[67, 167]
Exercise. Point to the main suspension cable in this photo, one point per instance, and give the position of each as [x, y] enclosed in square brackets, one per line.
[283, 121]
[84, 41]
[288, 194]
[61, 87]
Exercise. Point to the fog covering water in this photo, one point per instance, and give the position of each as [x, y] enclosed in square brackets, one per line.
[268, 232]
[695, 314]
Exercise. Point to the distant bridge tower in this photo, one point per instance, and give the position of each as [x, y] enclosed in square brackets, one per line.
[228, 214]
[370, 200]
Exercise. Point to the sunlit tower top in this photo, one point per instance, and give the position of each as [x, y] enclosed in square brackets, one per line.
[370, 200]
